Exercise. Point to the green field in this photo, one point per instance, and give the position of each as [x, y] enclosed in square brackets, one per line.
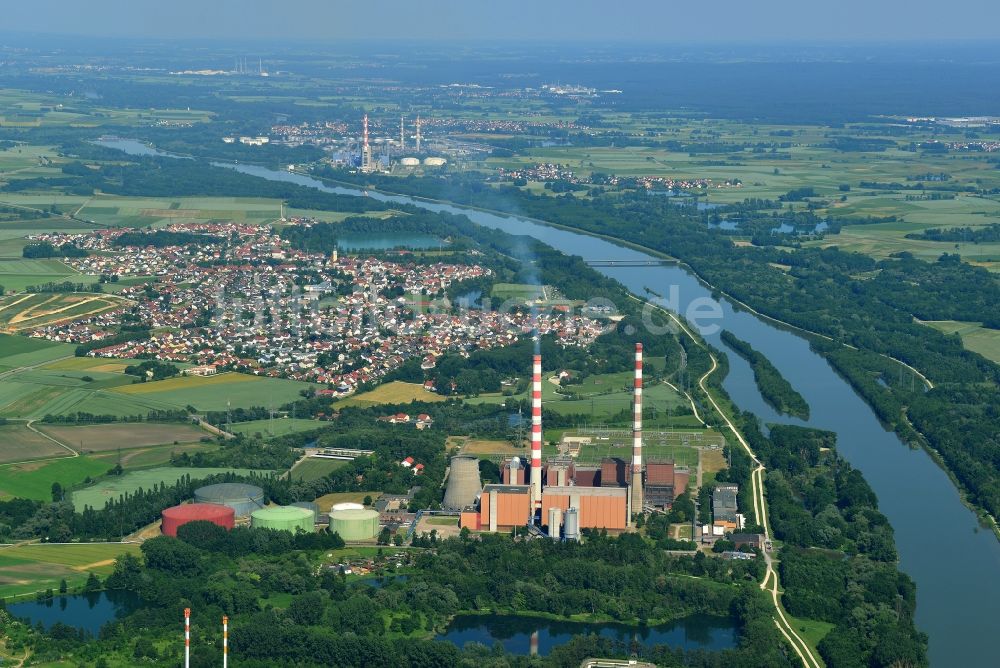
[215, 393]
[99, 493]
[28, 568]
[277, 427]
[974, 336]
[315, 468]
[516, 291]
[34, 480]
[17, 351]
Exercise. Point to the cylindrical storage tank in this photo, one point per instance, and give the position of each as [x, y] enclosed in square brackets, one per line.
[284, 518]
[435, 162]
[354, 524]
[177, 516]
[555, 516]
[463, 483]
[409, 162]
[308, 505]
[346, 505]
[242, 498]
[572, 524]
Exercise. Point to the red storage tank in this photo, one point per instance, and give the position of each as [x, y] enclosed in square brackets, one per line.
[224, 516]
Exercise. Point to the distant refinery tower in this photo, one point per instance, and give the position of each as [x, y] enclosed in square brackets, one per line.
[536, 433]
[418, 134]
[366, 150]
[637, 434]
[402, 136]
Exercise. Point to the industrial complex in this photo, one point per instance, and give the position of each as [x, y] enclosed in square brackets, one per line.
[559, 494]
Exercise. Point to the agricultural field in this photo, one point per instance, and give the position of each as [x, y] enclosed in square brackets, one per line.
[215, 393]
[396, 392]
[17, 274]
[34, 480]
[974, 336]
[20, 312]
[105, 437]
[27, 568]
[101, 492]
[18, 443]
[18, 351]
[314, 468]
[28, 109]
[99, 364]
[113, 211]
[277, 427]
[35, 393]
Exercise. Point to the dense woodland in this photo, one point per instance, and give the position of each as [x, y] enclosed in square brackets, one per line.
[774, 387]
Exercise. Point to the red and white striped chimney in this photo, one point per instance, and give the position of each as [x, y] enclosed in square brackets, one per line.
[187, 637]
[637, 434]
[225, 642]
[536, 432]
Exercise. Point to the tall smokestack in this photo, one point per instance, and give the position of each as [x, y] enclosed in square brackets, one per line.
[637, 434]
[225, 641]
[187, 637]
[536, 433]
[402, 136]
[418, 134]
[365, 144]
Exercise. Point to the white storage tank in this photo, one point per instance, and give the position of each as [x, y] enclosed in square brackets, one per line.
[435, 162]
[555, 515]
[410, 162]
[572, 524]
[346, 505]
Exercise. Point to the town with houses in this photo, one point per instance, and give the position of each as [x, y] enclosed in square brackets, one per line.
[239, 297]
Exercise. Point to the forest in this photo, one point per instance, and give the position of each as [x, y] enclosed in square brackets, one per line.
[774, 387]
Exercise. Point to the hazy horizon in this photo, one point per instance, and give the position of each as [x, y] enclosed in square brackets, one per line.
[775, 21]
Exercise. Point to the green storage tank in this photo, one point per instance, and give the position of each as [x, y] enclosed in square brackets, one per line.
[354, 524]
[285, 518]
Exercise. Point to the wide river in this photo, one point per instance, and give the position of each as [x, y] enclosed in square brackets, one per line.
[954, 562]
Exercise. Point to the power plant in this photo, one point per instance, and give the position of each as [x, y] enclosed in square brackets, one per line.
[463, 483]
[570, 496]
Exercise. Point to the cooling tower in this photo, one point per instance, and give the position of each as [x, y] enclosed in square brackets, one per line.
[463, 483]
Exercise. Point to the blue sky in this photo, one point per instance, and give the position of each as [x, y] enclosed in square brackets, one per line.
[612, 20]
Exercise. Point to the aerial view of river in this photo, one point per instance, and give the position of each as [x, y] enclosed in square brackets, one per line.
[941, 545]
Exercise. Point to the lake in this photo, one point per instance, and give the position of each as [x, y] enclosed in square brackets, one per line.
[534, 635]
[88, 612]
